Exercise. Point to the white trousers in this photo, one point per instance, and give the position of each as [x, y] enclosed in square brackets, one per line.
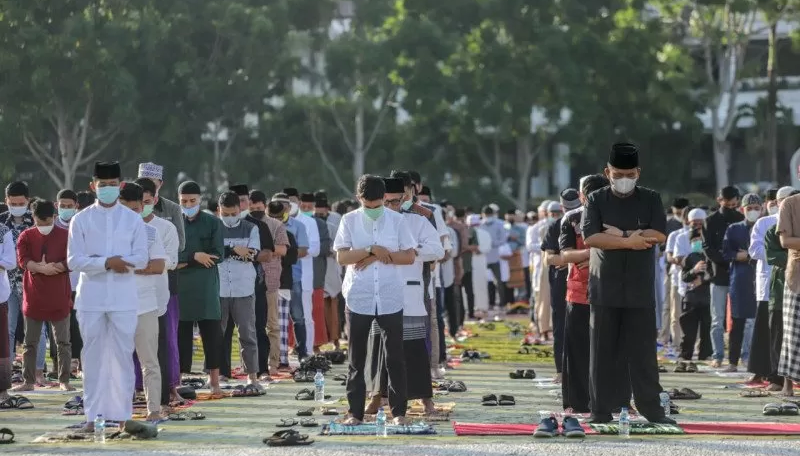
[308, 316]
[107, 359]
[146, 341]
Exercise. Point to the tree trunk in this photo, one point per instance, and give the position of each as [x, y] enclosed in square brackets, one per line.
[722, 158]
[359, 154]
[216, 164]
[772, 103]
[525, 156]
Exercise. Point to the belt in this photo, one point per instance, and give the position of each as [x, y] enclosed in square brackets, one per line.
[413, 282]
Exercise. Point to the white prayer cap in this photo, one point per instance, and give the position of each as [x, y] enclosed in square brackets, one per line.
[495, 208]
[151, 171]
[784, 192]
[697, 214]
[532, 215]
[554, 207]
[545, 204]
[473, 220]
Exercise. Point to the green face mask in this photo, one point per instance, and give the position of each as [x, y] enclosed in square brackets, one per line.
[148, 209]
[373, 213]
[407, 205]
[308, 213]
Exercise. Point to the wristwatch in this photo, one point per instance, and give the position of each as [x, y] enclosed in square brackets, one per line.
[369, 250]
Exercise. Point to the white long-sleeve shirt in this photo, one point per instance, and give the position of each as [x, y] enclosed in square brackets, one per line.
[533, 242]
[147, 285]
[96, 234]
[171, 241]
[758, 252]
[8, 261]
[307, 262]
[429, 248]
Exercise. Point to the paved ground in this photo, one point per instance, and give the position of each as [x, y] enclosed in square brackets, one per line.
[236, 426]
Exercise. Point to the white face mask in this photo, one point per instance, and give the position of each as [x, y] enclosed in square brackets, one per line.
[45, 230]
[752, 216]
[773, 210]
[623, 185]
[293, 208]
[18, 211]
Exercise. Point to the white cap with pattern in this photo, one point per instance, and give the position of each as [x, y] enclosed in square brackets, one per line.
[151, 171]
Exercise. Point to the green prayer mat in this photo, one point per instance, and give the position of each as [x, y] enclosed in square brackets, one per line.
[639, 429]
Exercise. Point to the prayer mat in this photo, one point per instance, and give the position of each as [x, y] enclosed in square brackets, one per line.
[64, 437]
[211, 397]
[444, 407]
[638, 429]
[371, 429]
[694, 428]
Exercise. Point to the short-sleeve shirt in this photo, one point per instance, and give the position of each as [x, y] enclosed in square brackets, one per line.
[301, 237]
[272, 268]
[789, 225]
[623, 278]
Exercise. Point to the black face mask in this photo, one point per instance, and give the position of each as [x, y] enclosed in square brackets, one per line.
[258, 215]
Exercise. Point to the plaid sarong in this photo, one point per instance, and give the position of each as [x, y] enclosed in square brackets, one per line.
[789, 364]
[283, 324]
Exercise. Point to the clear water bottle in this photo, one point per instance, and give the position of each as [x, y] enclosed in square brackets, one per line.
[664, 396]
[380, 423]
[100, 429]
[624, 423]
[319, 387]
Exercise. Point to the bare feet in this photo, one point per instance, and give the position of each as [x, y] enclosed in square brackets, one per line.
[66, 387]
[430, 407]
[153, 416]
[400, 421]
[716, 364]
[174, 396]
[216, 391]
[374, 404]
[351, 421]
[265, 378]
[23, 387]
[557, 378]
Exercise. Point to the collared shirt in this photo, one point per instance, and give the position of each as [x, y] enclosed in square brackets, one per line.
[307, 262]
[96, 234]
[15, 275]
[674, 270]
[147, 286]
[171, 242]
[378, 289]
[333, 273]
[495, 228]
[682, 249]
[300, 234]
[272, 268]
[429, 248]
[448, 271]
[171, 212]
[533, 242]
[73, 276]
[237, 277]
[325, 248]
[44, 297]
[8, 261]
[758, 252]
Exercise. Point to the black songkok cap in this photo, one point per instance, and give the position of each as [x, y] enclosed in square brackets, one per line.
[394, 185]
[624, 156]
[321, 199]
[425, 190]
[239, 189]
[680, 203]
[291, 191]
[772, 194]
[107, 170]
[189, 188]
[307, 198]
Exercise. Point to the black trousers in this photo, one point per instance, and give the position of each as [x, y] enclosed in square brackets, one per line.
[775, 339]
[225, 352]
[210, 333]
[75, 334]
[575, 373]
[391, 334]
[452, 309]
[759, 362]
[261, 328]
[496, 286]
[735, 340]
[558, 304]
[469, 296]
[695, 318]
[630, 333]
[163, 360]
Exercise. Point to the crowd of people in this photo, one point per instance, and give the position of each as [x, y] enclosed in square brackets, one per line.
[119, 279]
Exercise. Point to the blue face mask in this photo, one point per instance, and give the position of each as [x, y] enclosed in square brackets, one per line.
[230, 221]
[406, 205]
[697, 246]
[190, 211]
[107, 195]
[66, 214]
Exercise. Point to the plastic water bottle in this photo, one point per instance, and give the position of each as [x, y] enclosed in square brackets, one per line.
[380, 423]
[665, 402]
[100, 429]
[319, 387]
[624, 423]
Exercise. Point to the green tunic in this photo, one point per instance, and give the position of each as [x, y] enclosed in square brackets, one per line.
[198, 286]
[776, 257]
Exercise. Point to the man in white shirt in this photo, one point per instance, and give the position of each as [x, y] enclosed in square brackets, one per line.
[540, 302]
[107, 242]
[8, 261]
[372, 242]
[306, 262]
[168, 355]
[148, 282]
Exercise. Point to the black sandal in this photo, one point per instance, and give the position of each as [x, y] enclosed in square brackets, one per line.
[306, 412]
[304, 394]
[287, 422]
[529, 374]
[6, 436]
[16, 402]
[308, 422]
[490, 400]
[330, 411]
[457, 387]
[518, 375]
[196, 416]
[506, 400]
[289, 437]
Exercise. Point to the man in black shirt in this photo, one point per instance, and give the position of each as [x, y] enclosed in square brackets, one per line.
[623, 225]
[675, 222]
[713, 233]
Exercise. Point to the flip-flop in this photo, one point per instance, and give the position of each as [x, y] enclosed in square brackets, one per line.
[16, 402]
[6, 436]
[329, 411]
[490, 400]
[182, 416]
[772, 409]
[457, 387]
[529, 374]
[308, 422]
[287, 422]
[519, 374]
[506, 400]
[288, 437]
[688, 394]
[306, 412]
[340, 378]
[754, 393]
[195, 416]
[304, 394]
[789, 409]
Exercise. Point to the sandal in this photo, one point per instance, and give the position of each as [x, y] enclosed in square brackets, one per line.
[16, 402]
[329, 411]
[518, 375]
[506, 400]
[490, 400]
[754, 393]
[340, 378]
[789, 409]
[182, 416]
[289, 437]
[529, 374]
[457, 387]
[308, 422]
[287, 422]
[73, 407]
[304, 394]
[6, 435]
[690, 394]
[306, 412]
[772, 410]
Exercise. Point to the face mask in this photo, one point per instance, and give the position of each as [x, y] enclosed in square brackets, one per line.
[373, 213]
[451, 214]
[623, 185]
[45, 230]
[308, 213]
[66, 214]
[752, 216]
[230, 221]
[293, 208]
[285, 218]
[773, 210]
[18, 211]
[697, 246]
[148, 209]
[258, 215]
[551, 219]
[244, 214]
[107, 195]
[406, 205]
[190, 211]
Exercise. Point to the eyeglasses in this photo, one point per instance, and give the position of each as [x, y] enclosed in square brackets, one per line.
[395, 202]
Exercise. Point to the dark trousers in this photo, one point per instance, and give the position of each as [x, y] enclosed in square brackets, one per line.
[528, 289]
[75, 334]
[440, 324]
[759, 362]
[497, 289]
[575, 373]
[735, 340]
[695, 318]
[163, 359]
[210, 333]
[628, 332]
[261, 328]
[469, 296]
[391, 334]
[452, 309]
[225, 356]
[775, 338]
[558, 304]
